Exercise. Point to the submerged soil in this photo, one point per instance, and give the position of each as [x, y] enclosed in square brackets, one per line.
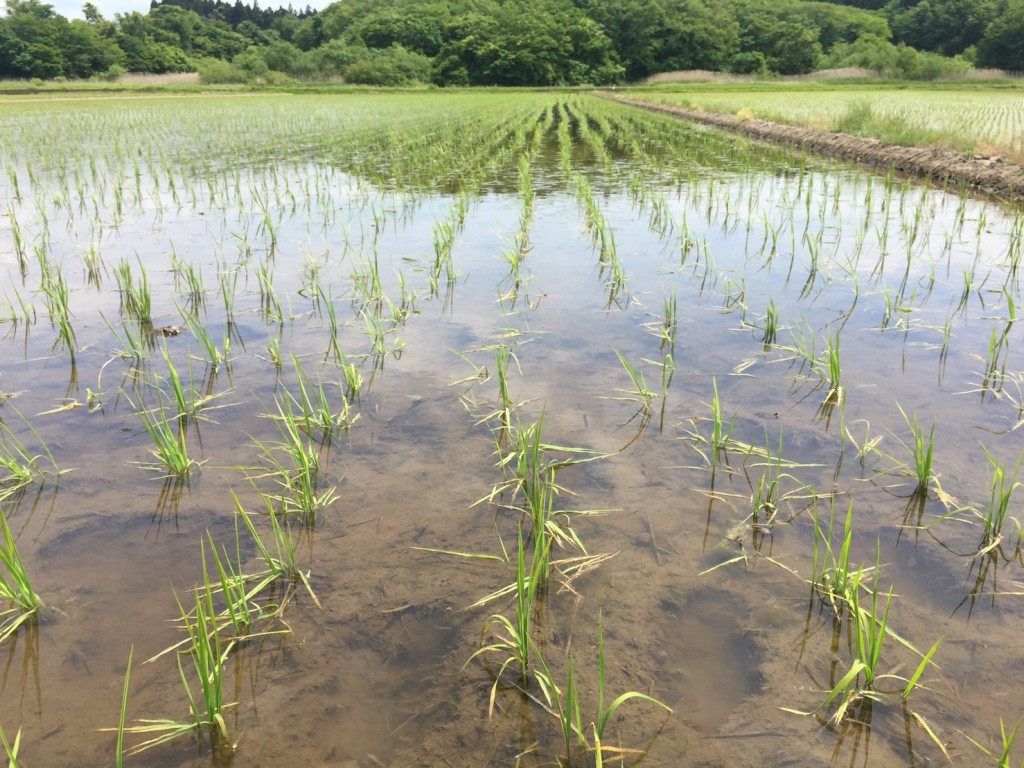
[989, 174]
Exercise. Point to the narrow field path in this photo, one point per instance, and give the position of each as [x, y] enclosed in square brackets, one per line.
[992, 175]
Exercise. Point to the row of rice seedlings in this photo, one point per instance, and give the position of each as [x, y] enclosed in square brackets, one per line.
[211, 635]
[815, 235]
[530, 485]
[839, 584]
[610, 267]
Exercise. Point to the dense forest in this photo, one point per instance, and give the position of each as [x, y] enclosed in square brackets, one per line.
[512, 42]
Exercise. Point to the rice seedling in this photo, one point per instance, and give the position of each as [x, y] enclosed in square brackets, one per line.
[119, 741]
[240, 613]
[283, 562]
[666, 328]
[922, 449]
[213, 355]
[994, 372]
[11, 748]
[568, 711]
[228, 282]
[55, 296]
[17, 460]
[333, 343]
[530, 466]
[18, 310]
[834, 392]
[869, 629]
[993, 514]
[768, 494]
[605, 714]
[314, 410]
[1001, 757]
[351, 381]
[19, 241]
[134, 341]
[270, 305]
[771, 325]
[208, 653]
[514, 639]
[192, 290]
[833, 576]
[15, 586]
[136, 296]
[293, 464]
[186, 396]
[641, 393]
[505, 407]
[715, 446]
[444, 239]
[168, 442]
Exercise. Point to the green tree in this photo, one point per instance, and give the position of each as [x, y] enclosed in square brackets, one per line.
[40, 33]
[786, 37]
[697, 35]
[147, 47]
[1003, 43]
[415, 29]
[634, 27]
[945, 26]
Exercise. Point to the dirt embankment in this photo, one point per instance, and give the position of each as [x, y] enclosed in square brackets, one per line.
[992, 175]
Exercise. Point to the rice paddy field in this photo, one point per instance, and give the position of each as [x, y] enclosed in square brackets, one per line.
[497, 429]
[988, 121]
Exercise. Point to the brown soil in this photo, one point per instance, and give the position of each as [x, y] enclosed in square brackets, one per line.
[992, 175]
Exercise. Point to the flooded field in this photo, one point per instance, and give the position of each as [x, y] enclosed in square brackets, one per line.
[497, 429]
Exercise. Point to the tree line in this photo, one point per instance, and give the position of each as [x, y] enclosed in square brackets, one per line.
[512, 42]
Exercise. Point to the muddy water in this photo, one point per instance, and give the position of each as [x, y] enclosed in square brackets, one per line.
[699, 608]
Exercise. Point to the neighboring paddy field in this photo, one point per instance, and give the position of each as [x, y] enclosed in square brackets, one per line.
[988, 121]
[497, 429]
